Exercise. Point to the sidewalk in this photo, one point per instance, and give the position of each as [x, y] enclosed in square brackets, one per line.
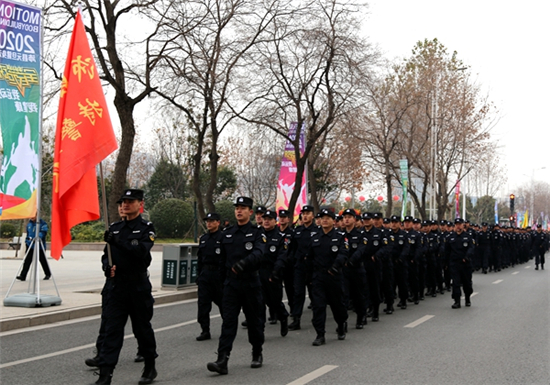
[79, 279]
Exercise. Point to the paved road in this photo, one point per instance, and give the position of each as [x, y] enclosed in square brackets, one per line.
[503, 338]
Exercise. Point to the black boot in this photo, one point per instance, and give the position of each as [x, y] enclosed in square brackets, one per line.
[257, 360]
[92, 362]
[220, 366]
[467, 302]
[205, 335]
[342, 329]
[295, 325]
[149, 373]
[456, 305]
[284, 326]
[105, 376]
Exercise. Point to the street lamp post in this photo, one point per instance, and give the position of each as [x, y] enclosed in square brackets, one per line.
[533, 193]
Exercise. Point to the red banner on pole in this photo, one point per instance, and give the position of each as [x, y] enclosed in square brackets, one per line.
[84, 137]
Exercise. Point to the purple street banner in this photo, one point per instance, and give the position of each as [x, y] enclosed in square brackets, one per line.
[287, 175]
[20, 105]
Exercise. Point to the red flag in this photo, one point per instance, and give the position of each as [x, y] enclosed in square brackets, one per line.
[84, 137]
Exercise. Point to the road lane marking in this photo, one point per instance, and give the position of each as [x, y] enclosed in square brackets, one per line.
[527, 267]
[497, 281]
[419, 321]
[471, 295]
[313, 375]
[88, 346]
[515, 272]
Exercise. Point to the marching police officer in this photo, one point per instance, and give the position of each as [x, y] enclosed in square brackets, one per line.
[328, 254]
[130, 241]
[209, 280]
[272, 268]
[398, 248]
[459, 247]
[298, 249]
[241, 253]
[539, 247]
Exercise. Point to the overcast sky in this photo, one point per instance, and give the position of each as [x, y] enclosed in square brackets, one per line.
[505, 44]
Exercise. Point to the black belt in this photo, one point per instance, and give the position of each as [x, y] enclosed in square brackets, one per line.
[245, 275]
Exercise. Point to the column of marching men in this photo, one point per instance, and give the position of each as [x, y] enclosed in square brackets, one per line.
[351, 262]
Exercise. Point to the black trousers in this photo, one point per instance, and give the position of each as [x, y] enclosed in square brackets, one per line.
[462, 277]
[539, 257]
[356, 289]
[374, 272]
[245, 294]
[387, 282]
[127, 299]
[209, 291]
[28, 260]
[272, 293]
[300, 284]
[327, 290]
[401, 272]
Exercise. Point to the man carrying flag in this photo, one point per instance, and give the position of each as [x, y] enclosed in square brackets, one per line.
[84, 137]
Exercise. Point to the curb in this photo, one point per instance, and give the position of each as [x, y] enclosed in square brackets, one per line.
[85, 311]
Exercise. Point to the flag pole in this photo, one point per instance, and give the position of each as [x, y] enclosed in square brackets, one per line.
[105, 213]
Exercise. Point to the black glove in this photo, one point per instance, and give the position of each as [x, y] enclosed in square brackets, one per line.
[275, 276]
[109, 237]
[107, 271]
[239, 266]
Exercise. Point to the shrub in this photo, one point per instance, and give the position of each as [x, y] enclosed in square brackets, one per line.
[7, 230]
[226, 210]
[172, 218]
[88, 232]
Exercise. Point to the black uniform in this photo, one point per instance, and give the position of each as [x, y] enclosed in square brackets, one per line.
[298, 250]
[242, 248]
[355, 277]
[539, 248]
[272, 266]
[129, 290]
[328, 252]
[398, 248]
[209, 280]
[460, 252]
[288, 272]
[372, 255]
[484, 249]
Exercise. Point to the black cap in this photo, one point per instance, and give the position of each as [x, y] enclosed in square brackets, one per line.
[426, 223]
[119, 201]
[244, 201]
[307, 208]
[443, 222]
[386, 220]
[417, 220]
[339, 217]
[318, 215]
[484, 224]
[459, 220]
[408, 218]
[377, 215]
[367, 216]
[260, 210]
[449, 223]
[325, 212]
[132, 194]
[433, 222]
[283, 213]
[270, 214]
[539, 226]
[349, 212]
[212, 217]
[395, 218]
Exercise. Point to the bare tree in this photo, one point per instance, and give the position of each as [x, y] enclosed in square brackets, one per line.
[309, 71]
[204, 44]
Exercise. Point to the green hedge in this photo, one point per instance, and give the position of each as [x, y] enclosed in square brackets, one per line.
[172, 218]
